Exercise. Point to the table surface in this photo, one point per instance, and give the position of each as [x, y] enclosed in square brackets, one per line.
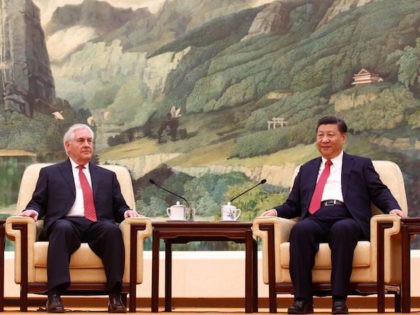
[414, 221]
[198, 222]
[201, 230]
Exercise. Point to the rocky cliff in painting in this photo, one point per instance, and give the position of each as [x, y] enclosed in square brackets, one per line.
[26, 82]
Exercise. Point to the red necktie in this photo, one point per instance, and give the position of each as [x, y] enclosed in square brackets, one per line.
[89, 205]
[316, 197]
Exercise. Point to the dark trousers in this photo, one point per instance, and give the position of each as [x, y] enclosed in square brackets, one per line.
[335, 226]
[65, 237]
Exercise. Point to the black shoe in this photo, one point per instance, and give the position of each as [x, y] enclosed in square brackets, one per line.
[115, 304]
[339, 307]
[301, 307]
[54, 303]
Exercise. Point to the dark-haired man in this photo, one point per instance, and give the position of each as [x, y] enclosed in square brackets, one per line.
[332, 196]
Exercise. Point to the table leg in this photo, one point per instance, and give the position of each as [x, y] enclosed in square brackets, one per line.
[2, 233]
[249, 272]
[380, 286]
[168, 276]
[405, 269]
[397, 302]
[255, 276]
[272, 295]
[155, 271]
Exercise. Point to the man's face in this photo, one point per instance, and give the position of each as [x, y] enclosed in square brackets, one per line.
[330, 141]
[80, 149]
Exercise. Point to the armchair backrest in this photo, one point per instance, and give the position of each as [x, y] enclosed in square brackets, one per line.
[124, 178]
[31, 174]
[391, 176]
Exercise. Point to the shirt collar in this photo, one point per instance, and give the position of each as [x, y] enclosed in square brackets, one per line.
[75, 165]
[338, 160]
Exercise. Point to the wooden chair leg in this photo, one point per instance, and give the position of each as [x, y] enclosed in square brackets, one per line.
[2, 244]
[133, 265]
[23, 266]
[132, 304]
[272, 294]
[23, 298]
[273, 303]
[124, 298]
[397, 302]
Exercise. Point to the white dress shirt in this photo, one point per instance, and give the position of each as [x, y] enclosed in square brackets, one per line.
[78, 208]
[332, 189]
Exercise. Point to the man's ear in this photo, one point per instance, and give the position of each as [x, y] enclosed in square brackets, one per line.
[66, 145]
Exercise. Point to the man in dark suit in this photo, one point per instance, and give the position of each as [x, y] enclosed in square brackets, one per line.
[80, 202]
[332, 195]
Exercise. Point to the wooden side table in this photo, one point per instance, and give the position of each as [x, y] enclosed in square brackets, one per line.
[408, 228]
[180, 232]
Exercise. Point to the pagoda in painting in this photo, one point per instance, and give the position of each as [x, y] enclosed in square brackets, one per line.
[365, 77]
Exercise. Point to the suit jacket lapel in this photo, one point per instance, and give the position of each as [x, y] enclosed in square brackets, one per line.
[67, 173]
[345, 173]
[315, 171]
[94, 178]
[313, 176]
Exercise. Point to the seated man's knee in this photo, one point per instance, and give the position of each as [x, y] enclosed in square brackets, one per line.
[111, 230]
[345, 227]
[61, 227]
[301, 231]
[346, 230]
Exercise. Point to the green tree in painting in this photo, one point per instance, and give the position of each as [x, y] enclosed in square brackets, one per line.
[256, 200]
[409, 71]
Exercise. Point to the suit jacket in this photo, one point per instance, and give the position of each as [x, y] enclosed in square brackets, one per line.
[360, 184]
[55, 193]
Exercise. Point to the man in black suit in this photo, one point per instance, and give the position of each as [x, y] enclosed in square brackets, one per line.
[80, 202]
[340, 215]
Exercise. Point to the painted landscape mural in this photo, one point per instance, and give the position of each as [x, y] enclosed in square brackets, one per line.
[208, 97]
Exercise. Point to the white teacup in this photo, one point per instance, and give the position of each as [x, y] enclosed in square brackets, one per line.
[230, 212]
[177, 212]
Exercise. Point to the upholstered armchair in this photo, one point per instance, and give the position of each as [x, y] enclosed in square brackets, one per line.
[274, 233]
[86, 269]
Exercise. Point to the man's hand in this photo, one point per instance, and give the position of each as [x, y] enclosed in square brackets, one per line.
[269, 213]
[397, 212]
[131, 214]
[29, 213]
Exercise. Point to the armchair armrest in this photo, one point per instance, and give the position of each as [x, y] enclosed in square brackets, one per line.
[23, 231]
[15, 234]
[387, 251]
[134, 231]
[144, 223]
[282, 228]
[394, 229]
[272, 231]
